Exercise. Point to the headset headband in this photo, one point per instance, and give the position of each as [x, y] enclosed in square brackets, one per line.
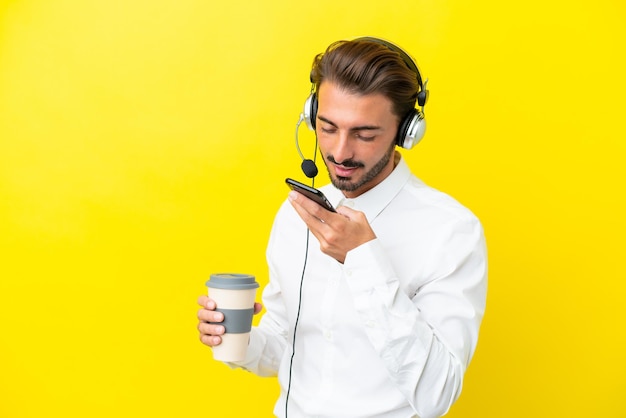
[405, 57]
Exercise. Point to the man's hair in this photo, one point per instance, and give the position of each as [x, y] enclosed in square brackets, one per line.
[365, 67]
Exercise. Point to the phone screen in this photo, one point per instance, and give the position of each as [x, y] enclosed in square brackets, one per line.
[310, 192]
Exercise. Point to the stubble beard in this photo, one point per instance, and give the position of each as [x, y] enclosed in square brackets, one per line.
[344, 183]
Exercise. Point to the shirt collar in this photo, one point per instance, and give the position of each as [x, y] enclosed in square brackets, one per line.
[372, 202]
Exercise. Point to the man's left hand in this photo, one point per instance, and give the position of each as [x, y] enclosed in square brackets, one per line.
[338, 232]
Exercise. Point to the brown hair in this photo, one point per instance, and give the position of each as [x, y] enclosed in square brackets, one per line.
[366, 67]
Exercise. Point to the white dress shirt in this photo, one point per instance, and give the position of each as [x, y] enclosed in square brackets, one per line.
[390, 332]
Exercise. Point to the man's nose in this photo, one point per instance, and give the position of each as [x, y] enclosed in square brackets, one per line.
[343, 149]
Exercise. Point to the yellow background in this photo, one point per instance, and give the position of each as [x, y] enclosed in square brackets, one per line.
[143, 145]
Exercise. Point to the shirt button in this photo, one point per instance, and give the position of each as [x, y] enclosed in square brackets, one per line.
[328, 335]
[370, 323]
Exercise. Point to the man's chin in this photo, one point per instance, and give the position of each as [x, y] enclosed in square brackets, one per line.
[344, 183]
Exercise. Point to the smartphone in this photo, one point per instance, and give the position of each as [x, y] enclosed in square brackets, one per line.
[310, 192]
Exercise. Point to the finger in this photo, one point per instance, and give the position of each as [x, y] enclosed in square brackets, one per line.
[205, 315]
[347, 212]
[202, 300]
[308, 210]
[211, 329]
[314, 224]
[210, 340]
[257, 307]
[206, 302]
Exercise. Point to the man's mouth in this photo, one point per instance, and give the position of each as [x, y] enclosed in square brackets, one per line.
[345, 168]
[343, 171]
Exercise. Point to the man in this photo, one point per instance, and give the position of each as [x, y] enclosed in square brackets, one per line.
[381, 317]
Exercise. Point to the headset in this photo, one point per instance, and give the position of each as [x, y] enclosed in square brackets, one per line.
[412, 127]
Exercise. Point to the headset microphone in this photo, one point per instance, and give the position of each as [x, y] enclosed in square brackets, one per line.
[308, 166]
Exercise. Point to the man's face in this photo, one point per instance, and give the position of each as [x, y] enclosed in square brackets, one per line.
[356, 137]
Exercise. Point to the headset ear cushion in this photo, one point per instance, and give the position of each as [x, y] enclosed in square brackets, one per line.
[310, 111]
[411, 130]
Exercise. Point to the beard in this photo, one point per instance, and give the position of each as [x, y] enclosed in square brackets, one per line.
[345, 184]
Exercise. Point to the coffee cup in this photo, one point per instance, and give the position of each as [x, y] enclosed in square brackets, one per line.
[234, 295]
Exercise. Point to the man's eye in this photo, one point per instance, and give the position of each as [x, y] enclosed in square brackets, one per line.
[365, 137]
[327, 130]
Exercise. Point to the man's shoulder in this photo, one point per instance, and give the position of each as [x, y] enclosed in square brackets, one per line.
[421, 196]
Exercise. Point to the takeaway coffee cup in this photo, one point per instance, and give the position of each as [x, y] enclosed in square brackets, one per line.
[234, 296]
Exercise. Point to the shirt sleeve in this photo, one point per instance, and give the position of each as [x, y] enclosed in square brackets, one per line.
[268, 340]
[425, 339]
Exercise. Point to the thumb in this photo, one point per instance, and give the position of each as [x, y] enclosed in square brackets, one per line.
[348, 212]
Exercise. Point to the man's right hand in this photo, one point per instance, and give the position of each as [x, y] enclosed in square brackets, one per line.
[210, 333]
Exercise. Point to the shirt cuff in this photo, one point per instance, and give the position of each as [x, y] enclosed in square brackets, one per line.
[255, 348]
